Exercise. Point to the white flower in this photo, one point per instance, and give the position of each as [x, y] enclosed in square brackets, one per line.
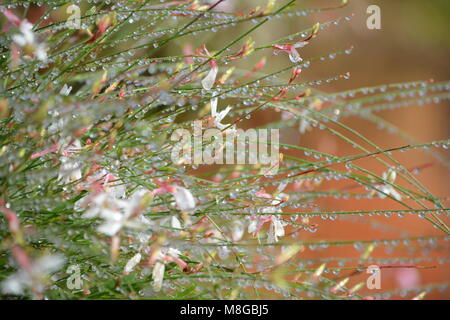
[70, 170]
[174, 253]
[28, 42]
[218, 116]
[116, 213]
[34, 278]
[132, 263]
[276, 229]
[41, 53]
[390, 175]
[294, 56]
[175, 223]
[97, 204]
[184, 199]
[114, 188]
[291, 50]
[208, 81]
[57, 125]
[252, 226]
[385, 188]
[27, 35]
[237, 230]
[224, 252]
[65, 91]
[171, 222]
[114, 221]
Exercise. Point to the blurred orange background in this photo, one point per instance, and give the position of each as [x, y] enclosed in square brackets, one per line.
[413, 44]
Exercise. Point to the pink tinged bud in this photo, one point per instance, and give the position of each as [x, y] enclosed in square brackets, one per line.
[103, 25]
[178, 261]
[170, 189]
[47, 151]
[158, 191]
[208, 81]
[11, 17]
[263, 194]
[258, 224]
[14, 225]
[281, 48]
[295, 73]
[12, 219]
[164, 189]
[173, 256]
[21, 258]
[259, 66]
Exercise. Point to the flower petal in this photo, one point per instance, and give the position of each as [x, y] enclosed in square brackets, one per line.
[132, 263]
[208, 81]
[214, 102]
[184, 199]
[158, 275]
[294, 56]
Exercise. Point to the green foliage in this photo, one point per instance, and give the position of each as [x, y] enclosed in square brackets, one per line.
[134, 80]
